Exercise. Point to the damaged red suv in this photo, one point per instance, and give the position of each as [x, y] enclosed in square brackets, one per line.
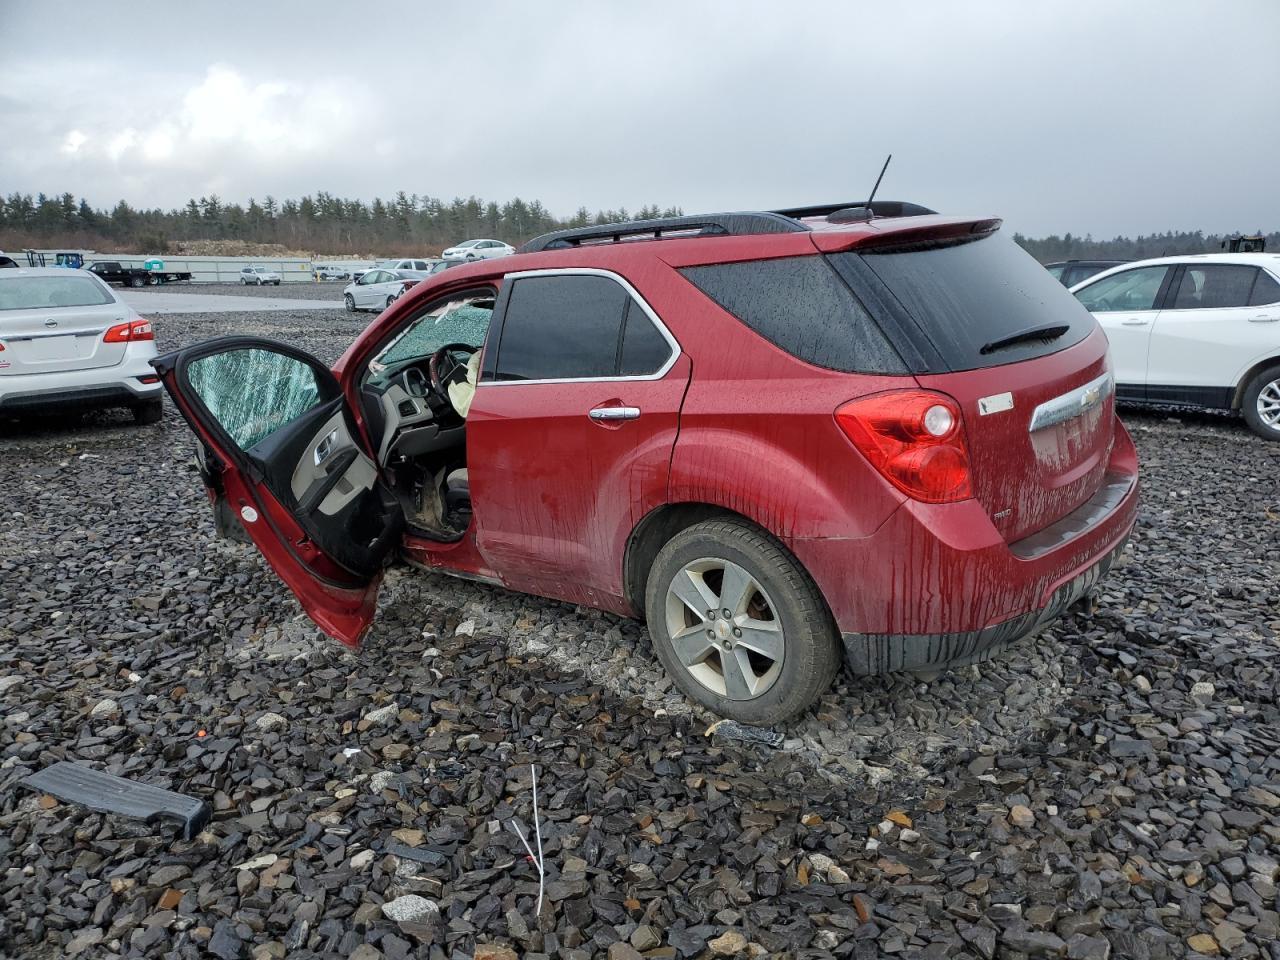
[787, 440]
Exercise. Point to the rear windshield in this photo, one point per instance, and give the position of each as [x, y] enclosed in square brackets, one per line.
[971, 301]
[33, 293]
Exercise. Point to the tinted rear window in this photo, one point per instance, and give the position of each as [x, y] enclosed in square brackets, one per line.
[802, 306]
[30, 293]
[968, 296]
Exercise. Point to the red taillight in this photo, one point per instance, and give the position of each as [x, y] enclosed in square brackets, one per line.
[129, 332]
[915, 439]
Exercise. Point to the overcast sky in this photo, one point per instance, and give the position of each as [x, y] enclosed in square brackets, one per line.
[1087, 116]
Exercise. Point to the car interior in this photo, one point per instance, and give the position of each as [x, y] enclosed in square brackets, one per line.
[416, 396]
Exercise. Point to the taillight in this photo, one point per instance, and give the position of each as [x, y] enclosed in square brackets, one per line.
[915, 439]
[129, 332]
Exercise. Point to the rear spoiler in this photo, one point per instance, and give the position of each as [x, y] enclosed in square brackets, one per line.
[923, 234]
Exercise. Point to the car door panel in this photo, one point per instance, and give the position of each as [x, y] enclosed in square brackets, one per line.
[283, 456]
[557, 491]
[1126, 305]
[1200, 338]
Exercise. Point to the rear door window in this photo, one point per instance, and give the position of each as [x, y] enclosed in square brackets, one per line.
[801, 305]
[1214, 286]
[577, 327]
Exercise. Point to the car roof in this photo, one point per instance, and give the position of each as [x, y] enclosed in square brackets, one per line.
[10, 273]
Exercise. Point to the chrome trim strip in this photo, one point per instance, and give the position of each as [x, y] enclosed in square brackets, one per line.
[1073, 403]
[16, 337]
[635, 295]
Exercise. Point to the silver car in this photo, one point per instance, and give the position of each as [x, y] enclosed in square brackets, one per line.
[259, 276]
[377, 289]
[68, 341]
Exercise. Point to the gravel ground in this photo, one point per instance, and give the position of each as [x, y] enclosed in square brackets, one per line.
[1110, 789]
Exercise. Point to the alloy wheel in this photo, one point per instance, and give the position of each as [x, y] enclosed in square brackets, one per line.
[1269, 404]
[724, 628]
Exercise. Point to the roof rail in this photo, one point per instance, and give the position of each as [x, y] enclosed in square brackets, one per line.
[707, 225]
[879, 208]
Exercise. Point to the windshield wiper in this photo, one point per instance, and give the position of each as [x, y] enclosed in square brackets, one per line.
[1047, 333]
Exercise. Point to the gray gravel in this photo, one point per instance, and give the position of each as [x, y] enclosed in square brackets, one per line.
[1110, 789]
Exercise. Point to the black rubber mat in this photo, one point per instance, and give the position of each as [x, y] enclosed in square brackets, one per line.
[100, 791]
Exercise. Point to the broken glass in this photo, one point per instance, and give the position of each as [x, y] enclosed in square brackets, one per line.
[253, 393]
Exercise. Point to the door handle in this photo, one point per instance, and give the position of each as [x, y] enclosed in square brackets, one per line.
[1134, 323]
[1263, 318]
[325, 447]
[615, 413]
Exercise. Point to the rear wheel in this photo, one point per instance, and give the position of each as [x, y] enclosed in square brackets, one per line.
[149, 411]
[350, 302]
[1261, 404]
[136, 281]
[738, 623]
[390, 300]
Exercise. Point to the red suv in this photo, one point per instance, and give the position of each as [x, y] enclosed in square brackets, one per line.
[785, 439]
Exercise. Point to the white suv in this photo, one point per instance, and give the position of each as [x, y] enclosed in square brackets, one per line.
[259, 276]
[1196, 331]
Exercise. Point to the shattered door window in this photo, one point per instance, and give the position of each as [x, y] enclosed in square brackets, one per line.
[253, 393]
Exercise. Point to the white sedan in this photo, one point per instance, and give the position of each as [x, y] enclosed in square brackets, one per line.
[1195, 331]
[68, 341]
[378, 289]
[479, 250]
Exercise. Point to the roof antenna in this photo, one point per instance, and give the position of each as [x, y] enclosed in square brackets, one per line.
[878, 179]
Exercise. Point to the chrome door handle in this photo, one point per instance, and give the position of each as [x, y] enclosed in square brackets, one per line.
[1263, 318]
[615, 413]
[1134, 323]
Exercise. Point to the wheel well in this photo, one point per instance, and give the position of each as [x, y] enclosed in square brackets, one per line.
[1237, 398]
[653, 532]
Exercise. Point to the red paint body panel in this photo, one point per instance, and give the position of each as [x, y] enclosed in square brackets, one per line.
[945, 568]
[1042, 476]
[555, 493]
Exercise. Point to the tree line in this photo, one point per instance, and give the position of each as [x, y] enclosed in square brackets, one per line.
[323, 223]
[410, 224]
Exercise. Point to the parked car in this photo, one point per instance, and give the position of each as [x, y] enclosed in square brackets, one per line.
[259, 276]
[68, 341]
[479, 250]
[704, 427]
[1071, 272]
[377, 289]
[112, 271]
[1195, 331]
[419, 264]
[332, 273]
[6, 261]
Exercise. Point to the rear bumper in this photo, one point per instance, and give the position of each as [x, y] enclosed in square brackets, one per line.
[937, 584]
[116, 386]
[886, 653]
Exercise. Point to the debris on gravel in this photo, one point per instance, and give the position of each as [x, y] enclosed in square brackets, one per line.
[1045, 804]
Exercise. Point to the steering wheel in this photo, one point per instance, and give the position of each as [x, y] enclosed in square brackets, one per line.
[444, 366]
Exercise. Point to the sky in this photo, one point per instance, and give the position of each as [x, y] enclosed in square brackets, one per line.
[1084, 116]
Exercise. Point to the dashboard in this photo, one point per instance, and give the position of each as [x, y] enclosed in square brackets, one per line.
[411, 425]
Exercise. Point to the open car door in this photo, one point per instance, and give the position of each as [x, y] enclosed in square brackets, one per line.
[283, 456]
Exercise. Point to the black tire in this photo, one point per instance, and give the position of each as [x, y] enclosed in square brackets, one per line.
[244, 282]
[136, 281]
[390, 300]
[811, 648]
[1268, 380]
[350, 302]
[149, 411]
[277, 283]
